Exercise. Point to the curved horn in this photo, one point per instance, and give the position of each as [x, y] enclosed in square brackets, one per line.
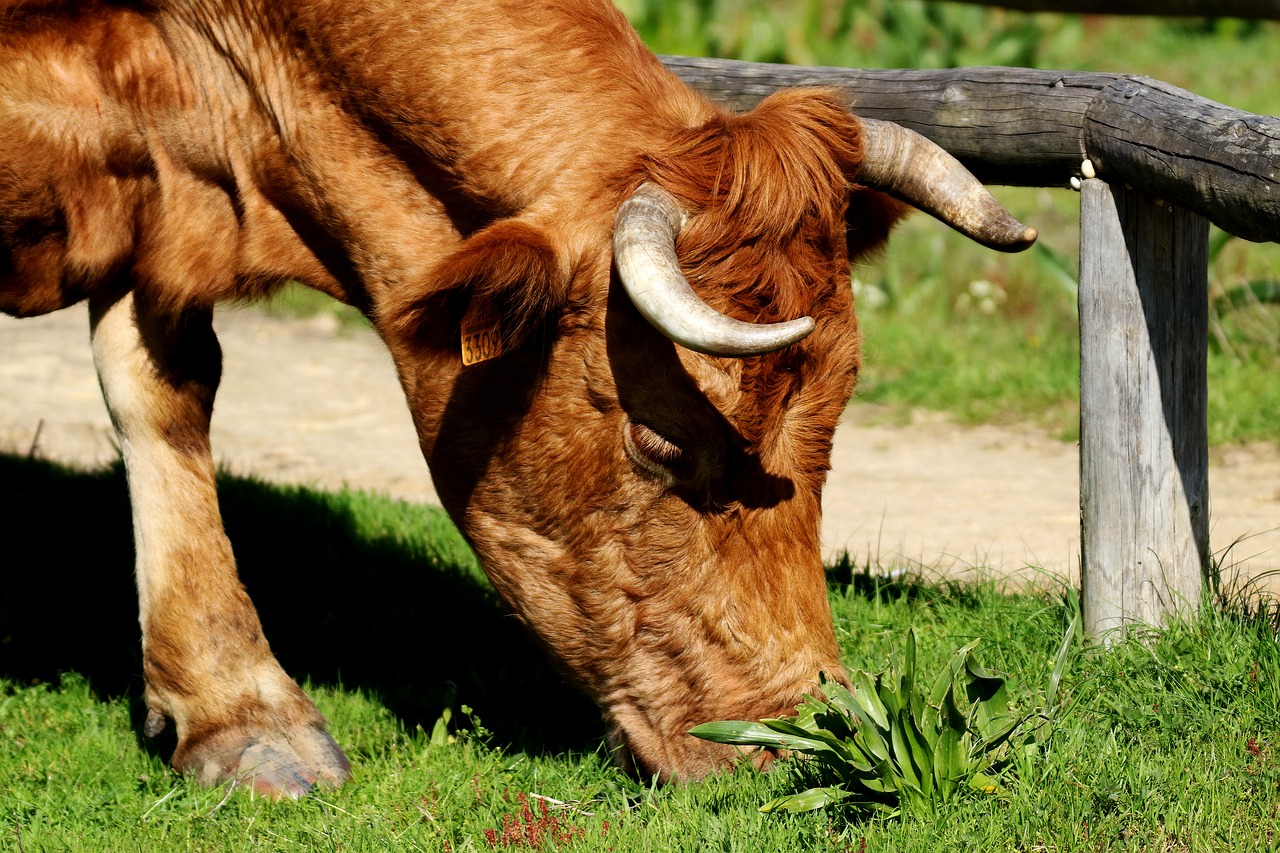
[905, 165]
[644, 249]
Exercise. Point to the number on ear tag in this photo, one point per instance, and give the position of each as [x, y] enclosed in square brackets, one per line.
[481, 333]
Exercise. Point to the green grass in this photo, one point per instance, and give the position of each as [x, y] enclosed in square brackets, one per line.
[929, 342]
[1167, 745]
[294, 300]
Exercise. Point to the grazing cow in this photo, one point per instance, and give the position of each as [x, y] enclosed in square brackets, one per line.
[622, 318]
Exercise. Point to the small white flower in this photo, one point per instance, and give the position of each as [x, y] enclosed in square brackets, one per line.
[986, 296]
[868, 295]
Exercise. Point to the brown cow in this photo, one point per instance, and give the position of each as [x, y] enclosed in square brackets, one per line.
[637, 461]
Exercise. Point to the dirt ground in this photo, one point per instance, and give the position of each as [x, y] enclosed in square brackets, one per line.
[303, 401]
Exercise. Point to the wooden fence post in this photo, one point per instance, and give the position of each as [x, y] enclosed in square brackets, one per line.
[1144, 490]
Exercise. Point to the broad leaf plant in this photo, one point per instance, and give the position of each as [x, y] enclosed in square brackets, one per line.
[890, 747]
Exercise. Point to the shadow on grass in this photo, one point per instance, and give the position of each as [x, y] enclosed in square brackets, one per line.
[343, 600]
[873, 582]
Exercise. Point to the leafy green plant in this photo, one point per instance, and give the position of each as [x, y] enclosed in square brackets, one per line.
[890, 747]
[854, 33]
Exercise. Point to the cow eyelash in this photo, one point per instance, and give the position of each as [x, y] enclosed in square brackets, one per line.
[652, 451]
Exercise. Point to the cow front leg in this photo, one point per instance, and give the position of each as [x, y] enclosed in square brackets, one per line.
[206, 662]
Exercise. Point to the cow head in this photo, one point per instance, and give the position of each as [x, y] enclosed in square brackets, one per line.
[641, 469]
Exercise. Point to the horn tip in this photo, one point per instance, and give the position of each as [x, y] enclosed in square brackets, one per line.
[1016, 241]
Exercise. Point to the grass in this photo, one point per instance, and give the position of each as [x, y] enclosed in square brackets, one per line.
[1165, 745]
[930, 343]
[295, 300]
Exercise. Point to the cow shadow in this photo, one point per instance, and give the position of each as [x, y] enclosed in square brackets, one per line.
[342, 600]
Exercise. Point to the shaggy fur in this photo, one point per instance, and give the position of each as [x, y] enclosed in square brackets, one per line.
[650, 513]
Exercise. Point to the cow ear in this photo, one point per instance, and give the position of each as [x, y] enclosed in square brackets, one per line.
[510, 277]
[869, 219]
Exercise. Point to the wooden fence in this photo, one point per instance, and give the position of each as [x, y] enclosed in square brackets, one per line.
[1162, 164]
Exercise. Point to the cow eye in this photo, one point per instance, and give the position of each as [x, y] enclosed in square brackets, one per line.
[654, 452]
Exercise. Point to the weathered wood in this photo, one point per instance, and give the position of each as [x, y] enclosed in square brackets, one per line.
[1025, 127]
[1144, 493]
[1256, 9]
[1197, 153]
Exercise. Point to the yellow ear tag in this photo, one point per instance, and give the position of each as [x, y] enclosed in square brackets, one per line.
[481, 335]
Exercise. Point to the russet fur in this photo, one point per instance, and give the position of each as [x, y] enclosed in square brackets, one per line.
[650, 513]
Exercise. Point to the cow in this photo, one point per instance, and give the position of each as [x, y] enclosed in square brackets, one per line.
[621, 315]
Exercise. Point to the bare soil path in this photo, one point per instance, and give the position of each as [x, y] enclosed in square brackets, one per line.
[304, 401]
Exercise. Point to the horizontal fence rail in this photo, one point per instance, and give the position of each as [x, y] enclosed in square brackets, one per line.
[1027, 127]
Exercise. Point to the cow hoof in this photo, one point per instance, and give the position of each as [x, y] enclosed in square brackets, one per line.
[275, 764]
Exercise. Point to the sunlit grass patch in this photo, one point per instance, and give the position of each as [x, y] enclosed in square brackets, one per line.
[459, 732]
